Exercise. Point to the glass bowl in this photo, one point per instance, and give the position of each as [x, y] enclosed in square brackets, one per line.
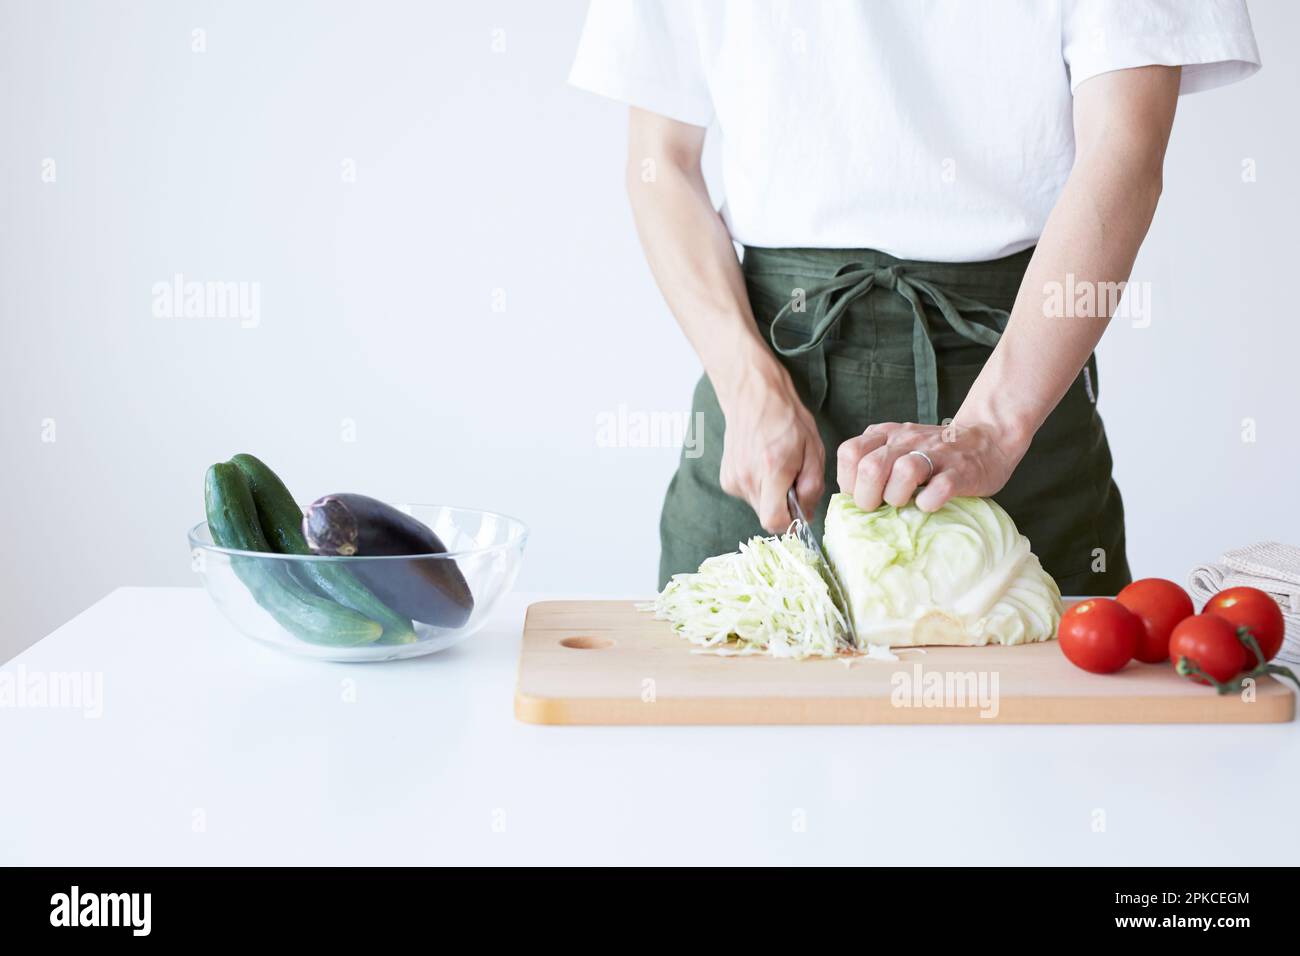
[284, 599]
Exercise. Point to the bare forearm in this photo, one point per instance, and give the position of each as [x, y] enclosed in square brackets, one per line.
[1091, 239]
[770, 442]
[694, 263]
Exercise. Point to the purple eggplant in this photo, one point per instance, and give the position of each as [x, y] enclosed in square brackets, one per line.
[424, 587]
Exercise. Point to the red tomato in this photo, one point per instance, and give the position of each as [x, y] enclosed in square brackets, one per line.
[1253, 609]
[1211, 643]
[1160, 604]
[1099, 635]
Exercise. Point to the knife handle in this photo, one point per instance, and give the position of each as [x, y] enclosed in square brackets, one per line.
[792, 502]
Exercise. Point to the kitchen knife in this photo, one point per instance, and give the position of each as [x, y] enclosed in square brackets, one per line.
[803, 529]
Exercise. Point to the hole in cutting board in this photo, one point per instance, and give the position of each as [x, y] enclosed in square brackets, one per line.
[586, 643]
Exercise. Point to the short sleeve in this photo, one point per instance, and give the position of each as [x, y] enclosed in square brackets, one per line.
[1211, 40]
[645, 53]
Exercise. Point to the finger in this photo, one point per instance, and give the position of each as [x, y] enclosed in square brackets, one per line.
[737, 484]
[773, 512]
[728, 482]
[811, 483]
[883, 428]
[873, 472]
[851, 452]
[942, 487]
[904, 478]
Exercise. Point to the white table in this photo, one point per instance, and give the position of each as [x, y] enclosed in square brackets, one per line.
[212, 749]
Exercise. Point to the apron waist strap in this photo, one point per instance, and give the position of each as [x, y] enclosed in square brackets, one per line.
[853, 280]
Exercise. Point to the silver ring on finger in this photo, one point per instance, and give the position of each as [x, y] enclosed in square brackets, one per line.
[926, 458]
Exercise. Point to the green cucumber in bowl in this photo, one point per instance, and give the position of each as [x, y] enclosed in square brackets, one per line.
[281, 521]
[233, 523]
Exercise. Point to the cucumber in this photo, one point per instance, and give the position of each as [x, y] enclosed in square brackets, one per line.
[281, 522]
[232, 520]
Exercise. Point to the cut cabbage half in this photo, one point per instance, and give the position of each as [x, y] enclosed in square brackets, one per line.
[960, 575]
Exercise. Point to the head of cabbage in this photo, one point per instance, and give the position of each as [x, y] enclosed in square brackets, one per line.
[959, 575]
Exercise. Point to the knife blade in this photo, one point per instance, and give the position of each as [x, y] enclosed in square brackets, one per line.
[803, 530]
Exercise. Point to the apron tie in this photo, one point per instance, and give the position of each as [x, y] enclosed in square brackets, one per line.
[852, 281]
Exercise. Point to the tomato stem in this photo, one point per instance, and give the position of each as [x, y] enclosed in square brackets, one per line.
[1279, 670]
[1263, 667]
[1252, 646]
[1189, 668]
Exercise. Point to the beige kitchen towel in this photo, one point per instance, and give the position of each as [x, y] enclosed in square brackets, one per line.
[1269, 566]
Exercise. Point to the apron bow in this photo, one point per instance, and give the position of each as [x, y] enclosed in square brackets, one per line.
[852, 281]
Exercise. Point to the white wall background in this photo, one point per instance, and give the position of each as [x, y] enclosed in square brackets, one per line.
[479, 170]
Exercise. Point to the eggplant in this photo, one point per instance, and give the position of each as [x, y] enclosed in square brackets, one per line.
[425, 588]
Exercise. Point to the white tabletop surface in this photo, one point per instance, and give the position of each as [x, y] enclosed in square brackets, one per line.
[212, 749]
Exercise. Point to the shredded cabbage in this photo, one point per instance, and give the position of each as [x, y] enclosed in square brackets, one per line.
[768, 597]
[960, 575]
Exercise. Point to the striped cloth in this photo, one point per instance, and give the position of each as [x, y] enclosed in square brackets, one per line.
[1273, 568]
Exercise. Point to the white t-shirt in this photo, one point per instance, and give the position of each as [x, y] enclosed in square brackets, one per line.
[938, 130]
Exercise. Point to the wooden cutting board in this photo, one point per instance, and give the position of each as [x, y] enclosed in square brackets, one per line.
[604, 662]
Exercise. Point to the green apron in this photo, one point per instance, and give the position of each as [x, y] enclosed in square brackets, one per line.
[870, 338]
